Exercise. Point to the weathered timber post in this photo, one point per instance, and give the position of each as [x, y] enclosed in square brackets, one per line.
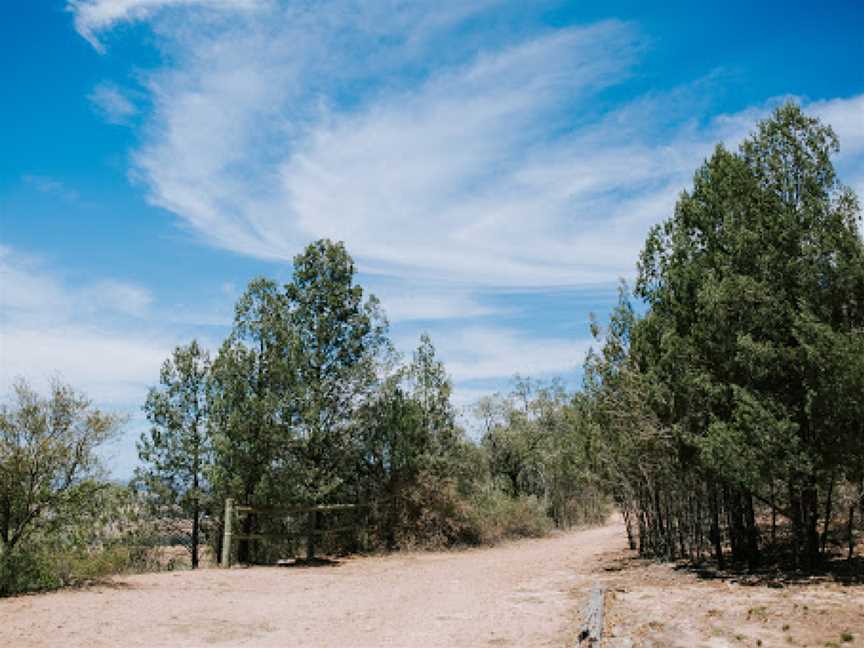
[311, 530]
[591, 634]
[227, 532]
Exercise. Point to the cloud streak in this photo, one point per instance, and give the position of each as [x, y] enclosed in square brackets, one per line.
[452, 159]
[112, 104]
[93, 17]
[296, 121]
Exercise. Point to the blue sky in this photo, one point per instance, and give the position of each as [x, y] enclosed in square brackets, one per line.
[492, 166]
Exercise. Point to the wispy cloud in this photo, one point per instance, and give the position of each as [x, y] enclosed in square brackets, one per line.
[112, 103]
[431, 301]
[118, 296]
[445, 177]
[104, 336]
[50, 328]
[500, 163]
[52, 187]
[846, 116]
[451, 158]
[474, 353]
[95, 16]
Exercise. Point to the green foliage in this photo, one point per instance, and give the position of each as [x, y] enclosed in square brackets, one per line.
[248, 403]
[415, 464]
[742, 382]
[540, 442]
[111, 533]
[738, 389]
[493, 516]
[47, 461]
[176, 452]
[308, 405]
[336, 341]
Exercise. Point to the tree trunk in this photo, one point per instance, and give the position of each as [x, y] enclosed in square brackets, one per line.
[628, 524]
[195, 522]
[811, 519]
[393, 517]
[773, 516]
[828, 503]
[796, 506]
[715, 530]
[752, 533]
[196, 517]
[850, 534]
[6, 525]
[244, 550]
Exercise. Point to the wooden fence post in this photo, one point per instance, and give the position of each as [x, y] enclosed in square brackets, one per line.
[227, 532]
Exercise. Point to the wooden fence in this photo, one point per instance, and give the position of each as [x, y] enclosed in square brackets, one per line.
[233, 511]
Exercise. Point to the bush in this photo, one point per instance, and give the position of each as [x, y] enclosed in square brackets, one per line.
[23, 571]
[432, 514]
[493, 516]
[110, 535]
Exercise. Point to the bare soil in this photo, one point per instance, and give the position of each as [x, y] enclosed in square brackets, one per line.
[651, 604]
[526, 593]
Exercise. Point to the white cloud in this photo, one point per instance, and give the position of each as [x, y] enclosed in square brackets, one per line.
[112, 103]
[476, 353]
[105, 337]
[95, 16]
[51, 329]
[495, 165]
[428, 180]
[111, 368]
[411, 301]
[118, 296]
[846, 117]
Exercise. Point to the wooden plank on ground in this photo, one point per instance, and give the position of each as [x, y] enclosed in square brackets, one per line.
[591, 633]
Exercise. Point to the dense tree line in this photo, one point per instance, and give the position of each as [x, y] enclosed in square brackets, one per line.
[306, 403]
[733, 408]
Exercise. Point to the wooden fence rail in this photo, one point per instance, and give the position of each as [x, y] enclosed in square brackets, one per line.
[232, 511]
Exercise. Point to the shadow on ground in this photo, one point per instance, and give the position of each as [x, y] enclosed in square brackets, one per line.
[780, 574]
[774, 572]
[300, 563]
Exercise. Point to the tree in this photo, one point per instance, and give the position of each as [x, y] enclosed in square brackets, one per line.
[430, 387]
[394, 451]
[250, 404]
[176, 451]
[48, 461]
[336, 338]
[759, 267]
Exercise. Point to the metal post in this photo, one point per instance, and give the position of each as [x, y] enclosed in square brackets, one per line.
[227, 532]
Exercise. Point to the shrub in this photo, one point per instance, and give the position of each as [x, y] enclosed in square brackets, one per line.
[493, 516]
[24, 571]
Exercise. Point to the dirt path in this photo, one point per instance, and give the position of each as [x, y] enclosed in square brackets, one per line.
[525, 593]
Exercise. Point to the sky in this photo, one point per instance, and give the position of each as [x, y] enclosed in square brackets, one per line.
[493, 167]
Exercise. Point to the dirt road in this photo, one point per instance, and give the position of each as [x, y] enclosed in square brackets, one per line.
[526, 593]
